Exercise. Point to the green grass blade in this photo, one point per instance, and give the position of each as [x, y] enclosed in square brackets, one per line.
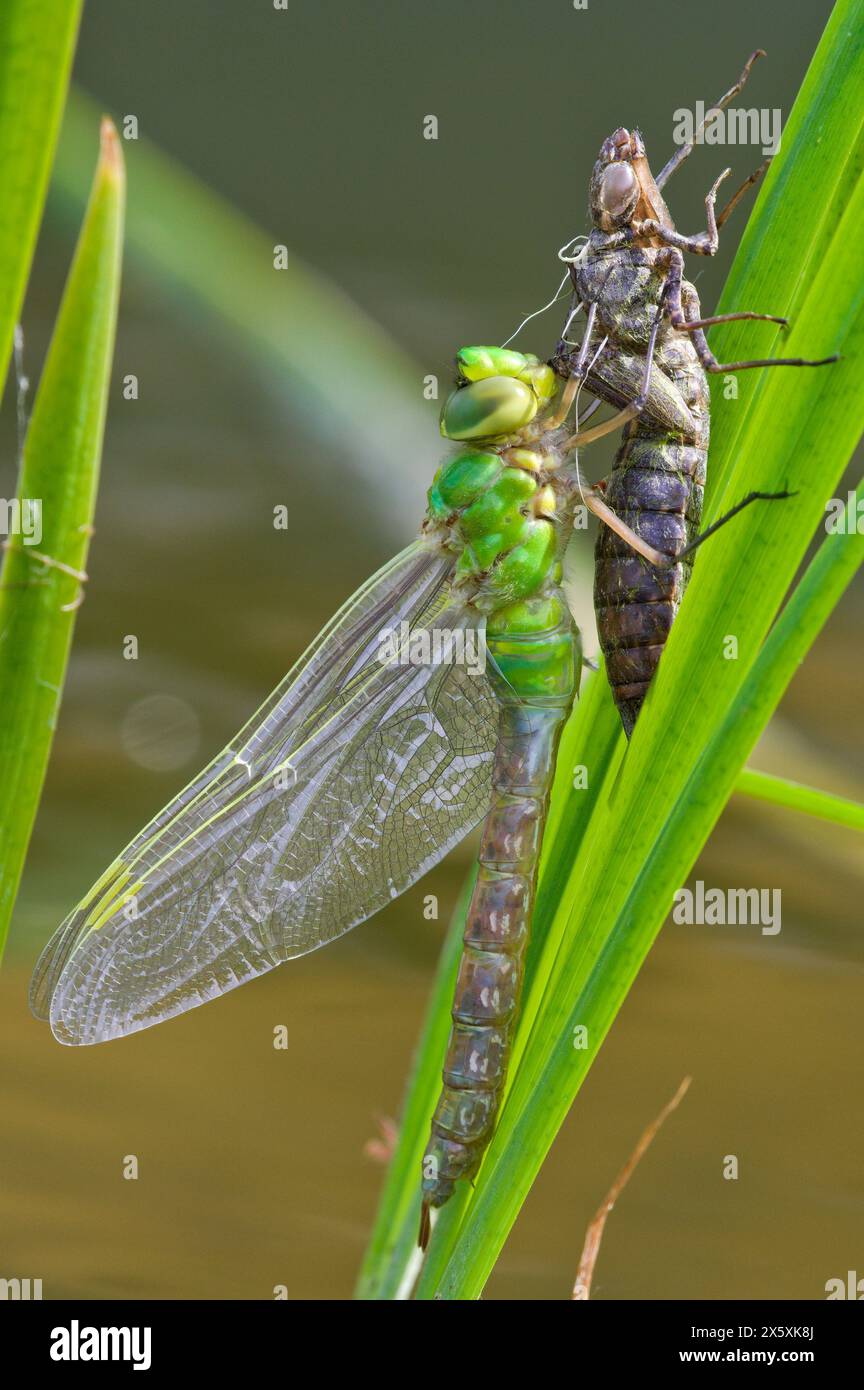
[60, 467]
[616, 860]
[799, 203]
[779, 791]
[37, 41]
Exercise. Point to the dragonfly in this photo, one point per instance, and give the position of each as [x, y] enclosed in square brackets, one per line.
[434, 699]
[628, 277]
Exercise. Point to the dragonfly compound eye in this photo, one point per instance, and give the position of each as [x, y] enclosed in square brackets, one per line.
[619, 190]
[495, 406]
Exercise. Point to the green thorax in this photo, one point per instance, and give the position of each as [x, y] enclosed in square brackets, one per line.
[500, 518]
[490, 500]
[492, 504]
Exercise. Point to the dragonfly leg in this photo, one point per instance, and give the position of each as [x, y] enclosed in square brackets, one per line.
[739, 193]
[727, 516]
[582, 358]
[686, 150]
[686, 322]
[710, 363]
[604, 513]
[606, 426]
[677, 310]
[658, 558]
[47, 560]
[561, 411]
[689, 325]
[48, 563]
[575, 305]
[702, 243]
[563, 360]
[574, 381]
[630, 411]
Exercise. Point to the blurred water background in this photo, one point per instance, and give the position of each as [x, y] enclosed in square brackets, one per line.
[309, 123]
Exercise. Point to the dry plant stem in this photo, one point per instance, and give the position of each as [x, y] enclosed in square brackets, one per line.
[594, 1234]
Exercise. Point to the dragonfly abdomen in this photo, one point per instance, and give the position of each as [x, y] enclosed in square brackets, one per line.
[489, 982]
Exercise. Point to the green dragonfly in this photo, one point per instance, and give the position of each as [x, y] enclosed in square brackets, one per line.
[434, 698]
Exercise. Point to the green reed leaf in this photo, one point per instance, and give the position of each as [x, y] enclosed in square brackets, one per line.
[39, 585]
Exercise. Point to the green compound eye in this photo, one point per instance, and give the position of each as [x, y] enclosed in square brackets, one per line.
[496, 405]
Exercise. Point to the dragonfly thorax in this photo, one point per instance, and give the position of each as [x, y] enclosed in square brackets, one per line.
[497, 510]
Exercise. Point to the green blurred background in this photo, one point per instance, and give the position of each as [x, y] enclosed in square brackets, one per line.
[309, 123]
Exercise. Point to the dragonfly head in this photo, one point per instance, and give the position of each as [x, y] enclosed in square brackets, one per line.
[622, 185]
[497, 393]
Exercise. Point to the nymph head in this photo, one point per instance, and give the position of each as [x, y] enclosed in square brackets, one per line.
[622, 185]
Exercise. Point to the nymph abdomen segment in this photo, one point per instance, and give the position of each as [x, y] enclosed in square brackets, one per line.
[656, 486]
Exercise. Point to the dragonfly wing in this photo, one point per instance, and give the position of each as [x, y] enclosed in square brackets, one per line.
[413, 580]
[352, 780]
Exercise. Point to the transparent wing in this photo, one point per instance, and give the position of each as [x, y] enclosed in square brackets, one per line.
[351, 780]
